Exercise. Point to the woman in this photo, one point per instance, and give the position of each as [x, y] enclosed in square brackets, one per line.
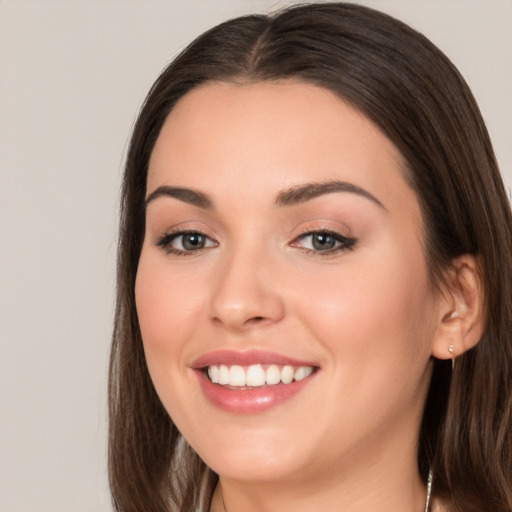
[314, 233]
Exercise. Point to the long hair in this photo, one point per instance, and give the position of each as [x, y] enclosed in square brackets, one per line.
[407, 87]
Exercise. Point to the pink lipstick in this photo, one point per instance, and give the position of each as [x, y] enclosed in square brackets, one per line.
[251, 381]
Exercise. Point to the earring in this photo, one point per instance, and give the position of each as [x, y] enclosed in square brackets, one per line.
[451, 349]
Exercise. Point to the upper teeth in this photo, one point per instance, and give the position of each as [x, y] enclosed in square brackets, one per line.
[256, 375]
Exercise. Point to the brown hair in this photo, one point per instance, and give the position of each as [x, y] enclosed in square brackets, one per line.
[404, 84]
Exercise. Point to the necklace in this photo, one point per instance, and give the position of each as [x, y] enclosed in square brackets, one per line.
[427, 502]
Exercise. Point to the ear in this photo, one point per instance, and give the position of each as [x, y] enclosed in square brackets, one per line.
[461, 319]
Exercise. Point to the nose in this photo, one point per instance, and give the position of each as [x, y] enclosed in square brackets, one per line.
[246, 292]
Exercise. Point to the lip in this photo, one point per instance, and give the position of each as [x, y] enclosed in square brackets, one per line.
[246, 358]
[248, 401]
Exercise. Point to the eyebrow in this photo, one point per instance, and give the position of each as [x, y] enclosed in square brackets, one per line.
[291, 197]
[187, 195]
[308, 191]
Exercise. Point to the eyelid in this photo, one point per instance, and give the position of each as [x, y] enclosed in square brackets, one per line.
[323, 226]
[344, 242]
[167, 229]
[165, 240]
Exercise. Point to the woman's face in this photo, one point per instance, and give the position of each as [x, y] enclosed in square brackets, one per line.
[283, 243]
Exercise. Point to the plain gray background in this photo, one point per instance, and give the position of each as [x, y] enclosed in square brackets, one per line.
[72, 76]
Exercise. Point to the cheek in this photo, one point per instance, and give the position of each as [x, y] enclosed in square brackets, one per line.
[165, 304]
[150, 296]
[166, 309]
[375, 324]
[372, 309]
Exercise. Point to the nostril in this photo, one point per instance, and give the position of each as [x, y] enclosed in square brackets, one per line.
[255, 320]
[251, 320]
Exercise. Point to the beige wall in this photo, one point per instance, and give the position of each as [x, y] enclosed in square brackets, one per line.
[72, 76]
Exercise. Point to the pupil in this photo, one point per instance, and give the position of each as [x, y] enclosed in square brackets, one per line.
[323, 242]
[193, 241]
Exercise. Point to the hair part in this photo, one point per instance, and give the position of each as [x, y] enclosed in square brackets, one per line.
[414, 94]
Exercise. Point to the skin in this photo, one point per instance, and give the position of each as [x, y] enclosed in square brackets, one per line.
[366, 315]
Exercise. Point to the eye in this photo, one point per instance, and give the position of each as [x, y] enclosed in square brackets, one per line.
[185, 242]
[324, 241]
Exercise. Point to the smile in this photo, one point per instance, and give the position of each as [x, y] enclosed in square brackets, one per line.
[253, 381]
[256, 375]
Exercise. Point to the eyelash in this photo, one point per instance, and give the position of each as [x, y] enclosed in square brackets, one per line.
[343, 243]
[166, 240]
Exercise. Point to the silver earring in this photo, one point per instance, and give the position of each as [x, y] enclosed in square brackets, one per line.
[451, 349]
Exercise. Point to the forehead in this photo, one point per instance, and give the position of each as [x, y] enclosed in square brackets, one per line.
[273, 135]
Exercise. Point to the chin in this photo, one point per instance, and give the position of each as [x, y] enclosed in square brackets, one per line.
[256, 468]
[258, 457]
